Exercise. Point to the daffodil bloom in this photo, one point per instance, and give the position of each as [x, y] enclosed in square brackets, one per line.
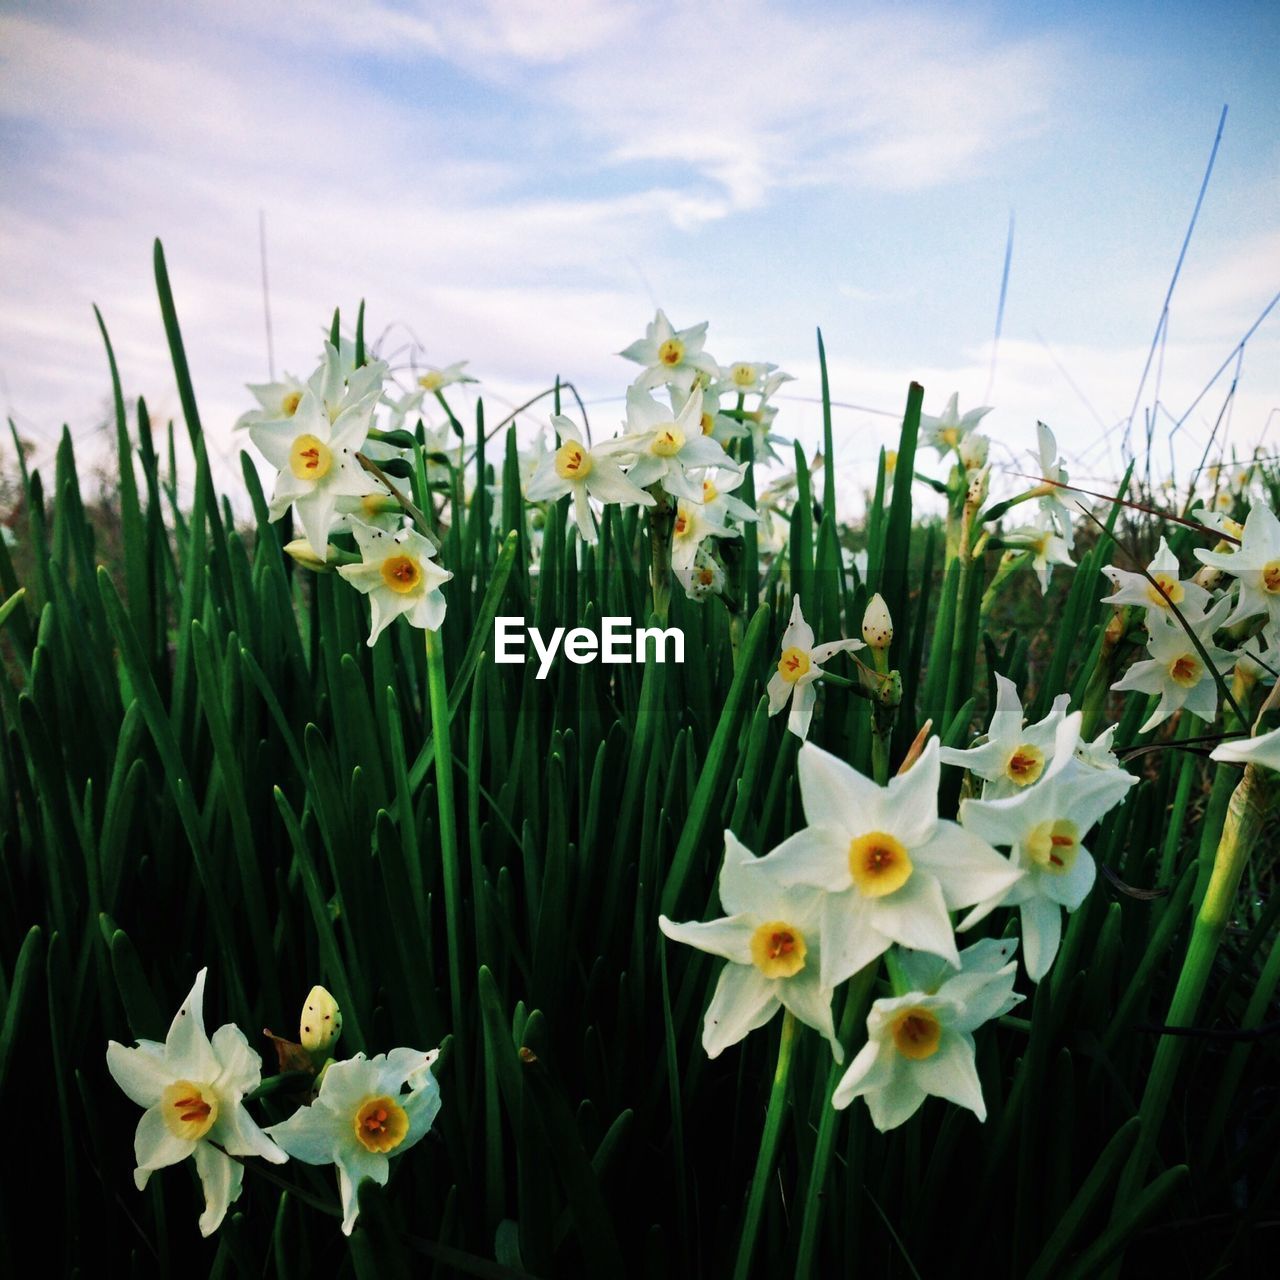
[672, 356]
[772, 938]
[1176, 671]
[1169, 589]
[397, 573]
[317, 462]
[361, 1118]
[1263, 750]
[1044, 827]
[947, 431]
[666, 448]
[799, 668]
[705, 577]
[1046, 549]
[1255, 565]
[1014, 756]
[745, 378]
[691, 527]
[277, 401]
[432, 379]
[1053, 497]
[193, 1089]
[920, 1043]
[891, 868]
[1099, 754]
[341, 385]
[576, 468]
[718, 499]
[719, 426]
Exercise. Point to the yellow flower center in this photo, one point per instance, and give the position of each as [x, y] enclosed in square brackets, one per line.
[793, 664]
[309, 458]
[189, 1110]
[916, 1033]
[289, 405]
[709, 492]
[879, 864]
[381, 1124]
[1024, 765]
[950, 436]
[890, 461]
[708, 423]
[573, 462]
[401, 574]
[685, 524]
[778, 950]
[432, 381]
[671, 352]
[1053, 846]
[669, 441]
[1271, 577]
[1166, 591]
[706, 577]
[1185, 671]
[743, 376]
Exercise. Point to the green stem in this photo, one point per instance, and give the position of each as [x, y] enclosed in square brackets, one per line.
[768, 1148]
[661, 522]
[439, 697]
[1246, 813]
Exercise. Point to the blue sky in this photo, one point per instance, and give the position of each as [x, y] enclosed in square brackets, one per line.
[521, 183]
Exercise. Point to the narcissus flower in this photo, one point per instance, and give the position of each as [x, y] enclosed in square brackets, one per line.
[576, 468]
[1046, 548]
[362, 1117]
[193, 1089]
[947, 431]
[799, 668]
[666, 447]
[1014, 756]
[705, 577]
[920, 1043]
[718, 500]
[672, 356]
[1054, 498]
[747, 378]
[317, 463]
[890, 867]
[1134, 589]
[1044, 828]
[1176, 671]
[432, 379]
[772, 938]
[277, 401]
[1255, 565]
[1263, 750]
[397, 573]
[692, 525]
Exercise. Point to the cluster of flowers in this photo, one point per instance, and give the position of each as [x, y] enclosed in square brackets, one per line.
[332, 464]
[194, 1088]
[876, 872]
[672, 455]
[1237, 590]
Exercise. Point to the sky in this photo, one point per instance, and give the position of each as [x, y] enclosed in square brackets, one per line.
[520, 184]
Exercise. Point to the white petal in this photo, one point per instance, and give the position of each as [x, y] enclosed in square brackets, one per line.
[869, 1070]
[139, 1072]
[1041, 934]
[312, 1134]
[240, 1067]
[729, 937]
[897, 1102]
[810, 1001]
[836, 794]
[850, 941]
[966, 866]
[817, 856]
[188, 1053]
[744, 999]
[355, 1165]
[155, 1147]
[220, 1176]
[951, 1073]
[1073, 885]
[916, 916]
[779, 691]
[802, 710]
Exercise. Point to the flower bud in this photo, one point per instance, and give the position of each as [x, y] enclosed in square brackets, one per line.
[877, 626]
[973, 451]
[321, 1021]
[300, 550]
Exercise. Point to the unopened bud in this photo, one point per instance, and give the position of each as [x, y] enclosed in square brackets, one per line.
[877, 626]
[300, 550]
[321, 1021]
[973, 451]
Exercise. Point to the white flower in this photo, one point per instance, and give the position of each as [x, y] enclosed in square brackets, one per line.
[877, 623]
[433, 379]
[193, 1089]
[277, 401]
[1255, 565]
[666, 448]
[1134, 589]
[586, 473]
[341, 386]
[704, 578]
[745, 378]
[317, 463]
[1052, 503]
[1176, 670]
[1099, 754]
[718, 499]
[719, 426]
[920, 1043]
[1263, 750]
[1043, 827]
[672, 356]
[799, 667]
[361, 1118]
[692, 526]
[946, 432]
[891, 868]
[397, 573]
[772, 938]
[973, 451]
[1046, 549]
[1013, 757]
